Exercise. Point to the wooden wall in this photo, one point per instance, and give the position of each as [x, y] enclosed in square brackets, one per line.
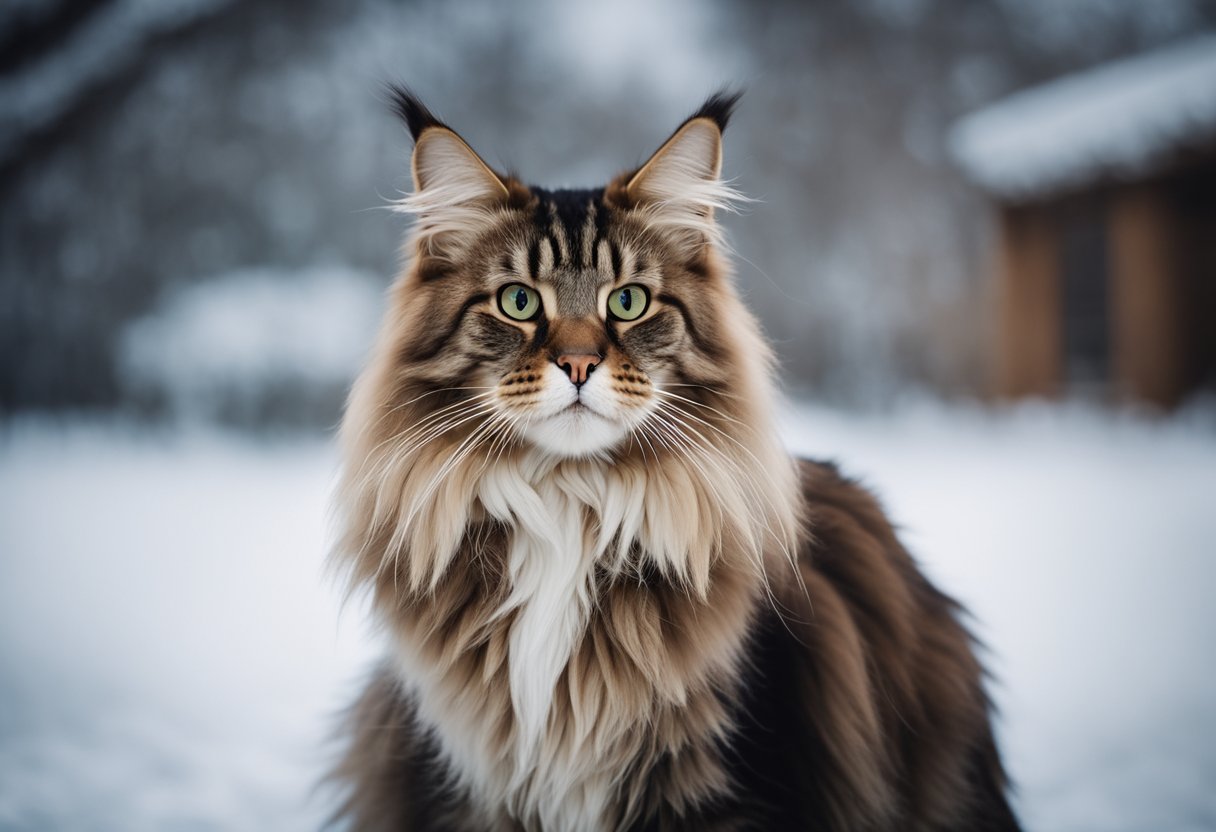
[1149, 322]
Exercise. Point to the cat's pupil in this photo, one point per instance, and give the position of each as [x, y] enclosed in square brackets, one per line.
[626, 300]
[521, 300]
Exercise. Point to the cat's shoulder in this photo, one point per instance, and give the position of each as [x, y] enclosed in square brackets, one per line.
[850, 539]
[829, 491]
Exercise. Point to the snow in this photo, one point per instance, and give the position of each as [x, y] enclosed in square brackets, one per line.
[171, 655]
[1118, 120]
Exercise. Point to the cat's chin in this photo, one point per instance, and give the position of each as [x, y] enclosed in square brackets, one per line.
[577, 431]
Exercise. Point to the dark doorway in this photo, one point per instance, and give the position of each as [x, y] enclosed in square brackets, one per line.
[1085, 288]
[1194, 201]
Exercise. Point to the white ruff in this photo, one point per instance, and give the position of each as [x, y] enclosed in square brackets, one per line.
[563, 517]
[551, 557]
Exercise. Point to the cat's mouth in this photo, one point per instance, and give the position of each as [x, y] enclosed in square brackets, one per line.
[580, 406]
[578, 429]
[579, 410]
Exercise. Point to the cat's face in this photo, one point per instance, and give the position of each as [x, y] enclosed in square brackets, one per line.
[569, 319]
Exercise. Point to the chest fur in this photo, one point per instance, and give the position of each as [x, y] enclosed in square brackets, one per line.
[557, 686]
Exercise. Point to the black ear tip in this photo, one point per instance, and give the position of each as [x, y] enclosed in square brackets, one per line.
[719, 107]
[410, 109]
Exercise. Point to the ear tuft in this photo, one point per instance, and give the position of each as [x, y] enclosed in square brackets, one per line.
[410, 109]
[719, 107]
[456, 195]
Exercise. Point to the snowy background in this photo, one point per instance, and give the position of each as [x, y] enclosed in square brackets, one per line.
[150, 146]
[192, 261]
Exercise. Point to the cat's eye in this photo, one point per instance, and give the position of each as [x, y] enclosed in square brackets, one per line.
[628, 302]
[519, 302]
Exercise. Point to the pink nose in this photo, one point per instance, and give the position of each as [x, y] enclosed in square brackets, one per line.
[578, 367]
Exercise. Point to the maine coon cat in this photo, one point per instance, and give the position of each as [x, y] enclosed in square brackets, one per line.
[611, 599]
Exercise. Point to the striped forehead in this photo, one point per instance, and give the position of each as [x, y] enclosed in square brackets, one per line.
[571, 249]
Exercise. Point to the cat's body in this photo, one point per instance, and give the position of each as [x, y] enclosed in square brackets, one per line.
[612, 600]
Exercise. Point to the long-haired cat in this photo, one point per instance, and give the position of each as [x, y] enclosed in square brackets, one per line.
[612, 600]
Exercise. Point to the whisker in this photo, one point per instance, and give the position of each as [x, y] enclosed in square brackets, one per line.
[695, 403]
[423, 433]
[419, 502]
[407, 448]
[412, 443]
[749, 481]
[716, 391]
[429, 417]
[723, 434]
[747, 477]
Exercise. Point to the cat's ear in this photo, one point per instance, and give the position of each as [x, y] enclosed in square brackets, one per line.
[455, 193]
[680, 186]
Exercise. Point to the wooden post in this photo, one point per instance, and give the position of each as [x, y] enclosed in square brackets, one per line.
[1028, 293]
[1146, 315]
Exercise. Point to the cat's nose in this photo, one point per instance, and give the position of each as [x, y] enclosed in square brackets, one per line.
[578, 366]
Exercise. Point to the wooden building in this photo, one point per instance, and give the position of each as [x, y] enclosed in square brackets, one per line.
[1105, 272]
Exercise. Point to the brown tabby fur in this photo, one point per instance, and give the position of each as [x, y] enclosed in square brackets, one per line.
[781, 665]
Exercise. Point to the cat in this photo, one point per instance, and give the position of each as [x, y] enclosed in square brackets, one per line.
[612, 600]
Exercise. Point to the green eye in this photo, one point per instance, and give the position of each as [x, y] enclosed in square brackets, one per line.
[628, 302]
[519, 302]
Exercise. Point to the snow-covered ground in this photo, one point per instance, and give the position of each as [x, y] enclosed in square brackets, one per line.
[171, 654]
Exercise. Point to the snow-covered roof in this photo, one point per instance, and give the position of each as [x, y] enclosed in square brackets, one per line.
[1119, 120]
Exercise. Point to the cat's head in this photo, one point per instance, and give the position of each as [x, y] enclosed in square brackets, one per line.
[590, 341]
[574, 320]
